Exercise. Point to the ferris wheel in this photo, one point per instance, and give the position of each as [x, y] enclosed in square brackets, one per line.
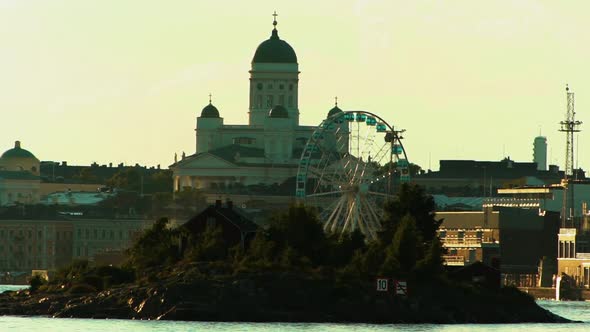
[349, 168]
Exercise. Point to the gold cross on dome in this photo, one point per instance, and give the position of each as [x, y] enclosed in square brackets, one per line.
[274, 22]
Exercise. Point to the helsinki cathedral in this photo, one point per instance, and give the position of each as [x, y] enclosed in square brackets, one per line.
[268, 148]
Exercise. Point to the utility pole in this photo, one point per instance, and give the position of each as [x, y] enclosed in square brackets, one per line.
[569, 126]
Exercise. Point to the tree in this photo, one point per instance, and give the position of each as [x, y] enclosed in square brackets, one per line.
[432, 263]
[405, 249]
[156, 246]
[128, 179]
[411, 200]
[300, 229]
[209, 245]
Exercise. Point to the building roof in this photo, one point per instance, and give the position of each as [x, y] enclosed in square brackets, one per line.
[278, 112]
[76, 198]
[17, 152]
[210, 111]
[18, 175]
[444, 202]
[230, 152]
[229, 213]
[334, 110]
[468, 219]
[274, 50]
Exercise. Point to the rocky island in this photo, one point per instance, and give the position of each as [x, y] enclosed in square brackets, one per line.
[289, 272]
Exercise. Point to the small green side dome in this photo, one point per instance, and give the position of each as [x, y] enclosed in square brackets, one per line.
[278, 112]
[17, 152]
[334, 110]
[210, 111]
[274, 50]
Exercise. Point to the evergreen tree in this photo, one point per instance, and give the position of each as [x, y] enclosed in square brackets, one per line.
[411, 200]
[405, 249]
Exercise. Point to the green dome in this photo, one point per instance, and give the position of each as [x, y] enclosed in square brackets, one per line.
[334, 110]
[17, 152]
[274, 50]
[278, 112]
[210, 111]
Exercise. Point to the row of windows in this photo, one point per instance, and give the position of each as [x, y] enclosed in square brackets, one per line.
[8, 264]
[270, 86]
[11, 234]
[12, 249]
[271, 101]
[96, 234]
[244, 140]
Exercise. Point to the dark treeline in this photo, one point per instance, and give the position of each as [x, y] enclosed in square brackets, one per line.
[407, 248]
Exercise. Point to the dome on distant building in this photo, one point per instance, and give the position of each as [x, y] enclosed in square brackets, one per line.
[278, 112]
[17, 152]
[335, 110]
[19, 159]
[210, 111]
[274, 50]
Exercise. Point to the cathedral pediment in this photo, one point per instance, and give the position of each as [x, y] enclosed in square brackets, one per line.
[205, 160]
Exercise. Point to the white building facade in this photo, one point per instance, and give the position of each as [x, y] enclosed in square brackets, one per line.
[267, 149]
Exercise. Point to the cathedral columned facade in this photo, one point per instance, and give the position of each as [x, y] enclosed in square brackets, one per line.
[267, 149]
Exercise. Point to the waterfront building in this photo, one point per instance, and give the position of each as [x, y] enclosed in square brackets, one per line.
[19, 177]
[483, 178]
[267, 149]
[470, 236]
[574, 253]
[28, 244]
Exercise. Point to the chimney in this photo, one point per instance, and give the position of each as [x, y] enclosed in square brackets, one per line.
[17, 144]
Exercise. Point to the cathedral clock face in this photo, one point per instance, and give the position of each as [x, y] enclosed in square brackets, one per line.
[259, 86]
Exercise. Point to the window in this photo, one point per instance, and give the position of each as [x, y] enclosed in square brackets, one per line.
[259, 86]
[244, 140]
[281, 86]
[282, 100]
[30, 234]
[290, 87]
[269, 101]
[259, 101]
[269, 86]
[87, 234]
[57, 236]
[95, 233]
[290, 101]
[112, 235]
[78, 251]
[79, 233]
[40, 234]
[103, 234]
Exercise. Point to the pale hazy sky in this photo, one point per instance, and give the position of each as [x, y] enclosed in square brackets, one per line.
[123, 80]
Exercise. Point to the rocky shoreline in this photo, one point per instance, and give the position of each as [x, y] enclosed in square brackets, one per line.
[280, 297]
